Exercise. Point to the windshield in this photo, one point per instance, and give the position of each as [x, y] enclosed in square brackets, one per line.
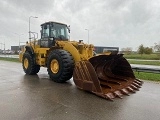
[59, 31]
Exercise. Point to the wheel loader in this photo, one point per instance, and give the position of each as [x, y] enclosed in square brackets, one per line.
[106, 75]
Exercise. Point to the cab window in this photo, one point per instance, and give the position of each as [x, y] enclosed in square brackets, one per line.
[45, 31]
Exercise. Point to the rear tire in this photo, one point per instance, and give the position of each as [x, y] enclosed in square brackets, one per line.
[60, 65]
[28, 64]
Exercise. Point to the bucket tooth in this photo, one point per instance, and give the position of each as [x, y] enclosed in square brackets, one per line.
[137, 85]
[125, 91]
[139, 82]
[118, 94]
[130, 89]
[107, 76]
[110, 96]
[134, 87]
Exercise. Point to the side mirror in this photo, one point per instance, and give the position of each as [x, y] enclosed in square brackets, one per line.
[68, 27]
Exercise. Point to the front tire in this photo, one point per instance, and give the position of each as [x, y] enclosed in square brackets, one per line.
[60, 65]
[28, 64]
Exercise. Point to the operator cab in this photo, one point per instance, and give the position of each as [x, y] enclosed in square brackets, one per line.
[51, 31]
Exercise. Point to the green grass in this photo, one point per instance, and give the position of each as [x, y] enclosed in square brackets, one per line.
[144, 56]
[10, 59]
[147, 76]
[157, 63]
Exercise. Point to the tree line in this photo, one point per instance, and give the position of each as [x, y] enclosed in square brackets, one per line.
[142, 49]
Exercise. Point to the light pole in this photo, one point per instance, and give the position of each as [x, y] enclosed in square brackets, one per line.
[29, 26]
[3, 44]
[19, 37]
[88, 35]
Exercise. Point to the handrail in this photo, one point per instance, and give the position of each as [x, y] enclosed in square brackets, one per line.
[143, 69]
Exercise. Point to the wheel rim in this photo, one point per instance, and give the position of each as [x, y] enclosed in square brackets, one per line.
[54, 66]
[26, 63]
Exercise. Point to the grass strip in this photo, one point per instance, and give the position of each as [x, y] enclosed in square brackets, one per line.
[10, 59]
[144, 56]
[147, 76]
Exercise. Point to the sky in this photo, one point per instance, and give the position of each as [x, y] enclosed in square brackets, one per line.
[111, 23]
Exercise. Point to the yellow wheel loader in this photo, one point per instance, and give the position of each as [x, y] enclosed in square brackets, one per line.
[108, 76]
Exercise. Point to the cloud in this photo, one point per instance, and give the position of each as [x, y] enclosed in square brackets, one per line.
[121, 23]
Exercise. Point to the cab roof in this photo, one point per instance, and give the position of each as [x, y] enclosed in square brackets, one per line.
[53, 22]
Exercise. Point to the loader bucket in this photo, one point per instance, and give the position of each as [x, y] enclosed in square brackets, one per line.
[108, 76]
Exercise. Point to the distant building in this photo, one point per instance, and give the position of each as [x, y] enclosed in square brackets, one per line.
[102, 49]
[15, 48]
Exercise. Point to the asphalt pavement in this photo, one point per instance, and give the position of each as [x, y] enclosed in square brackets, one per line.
[36, 97]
